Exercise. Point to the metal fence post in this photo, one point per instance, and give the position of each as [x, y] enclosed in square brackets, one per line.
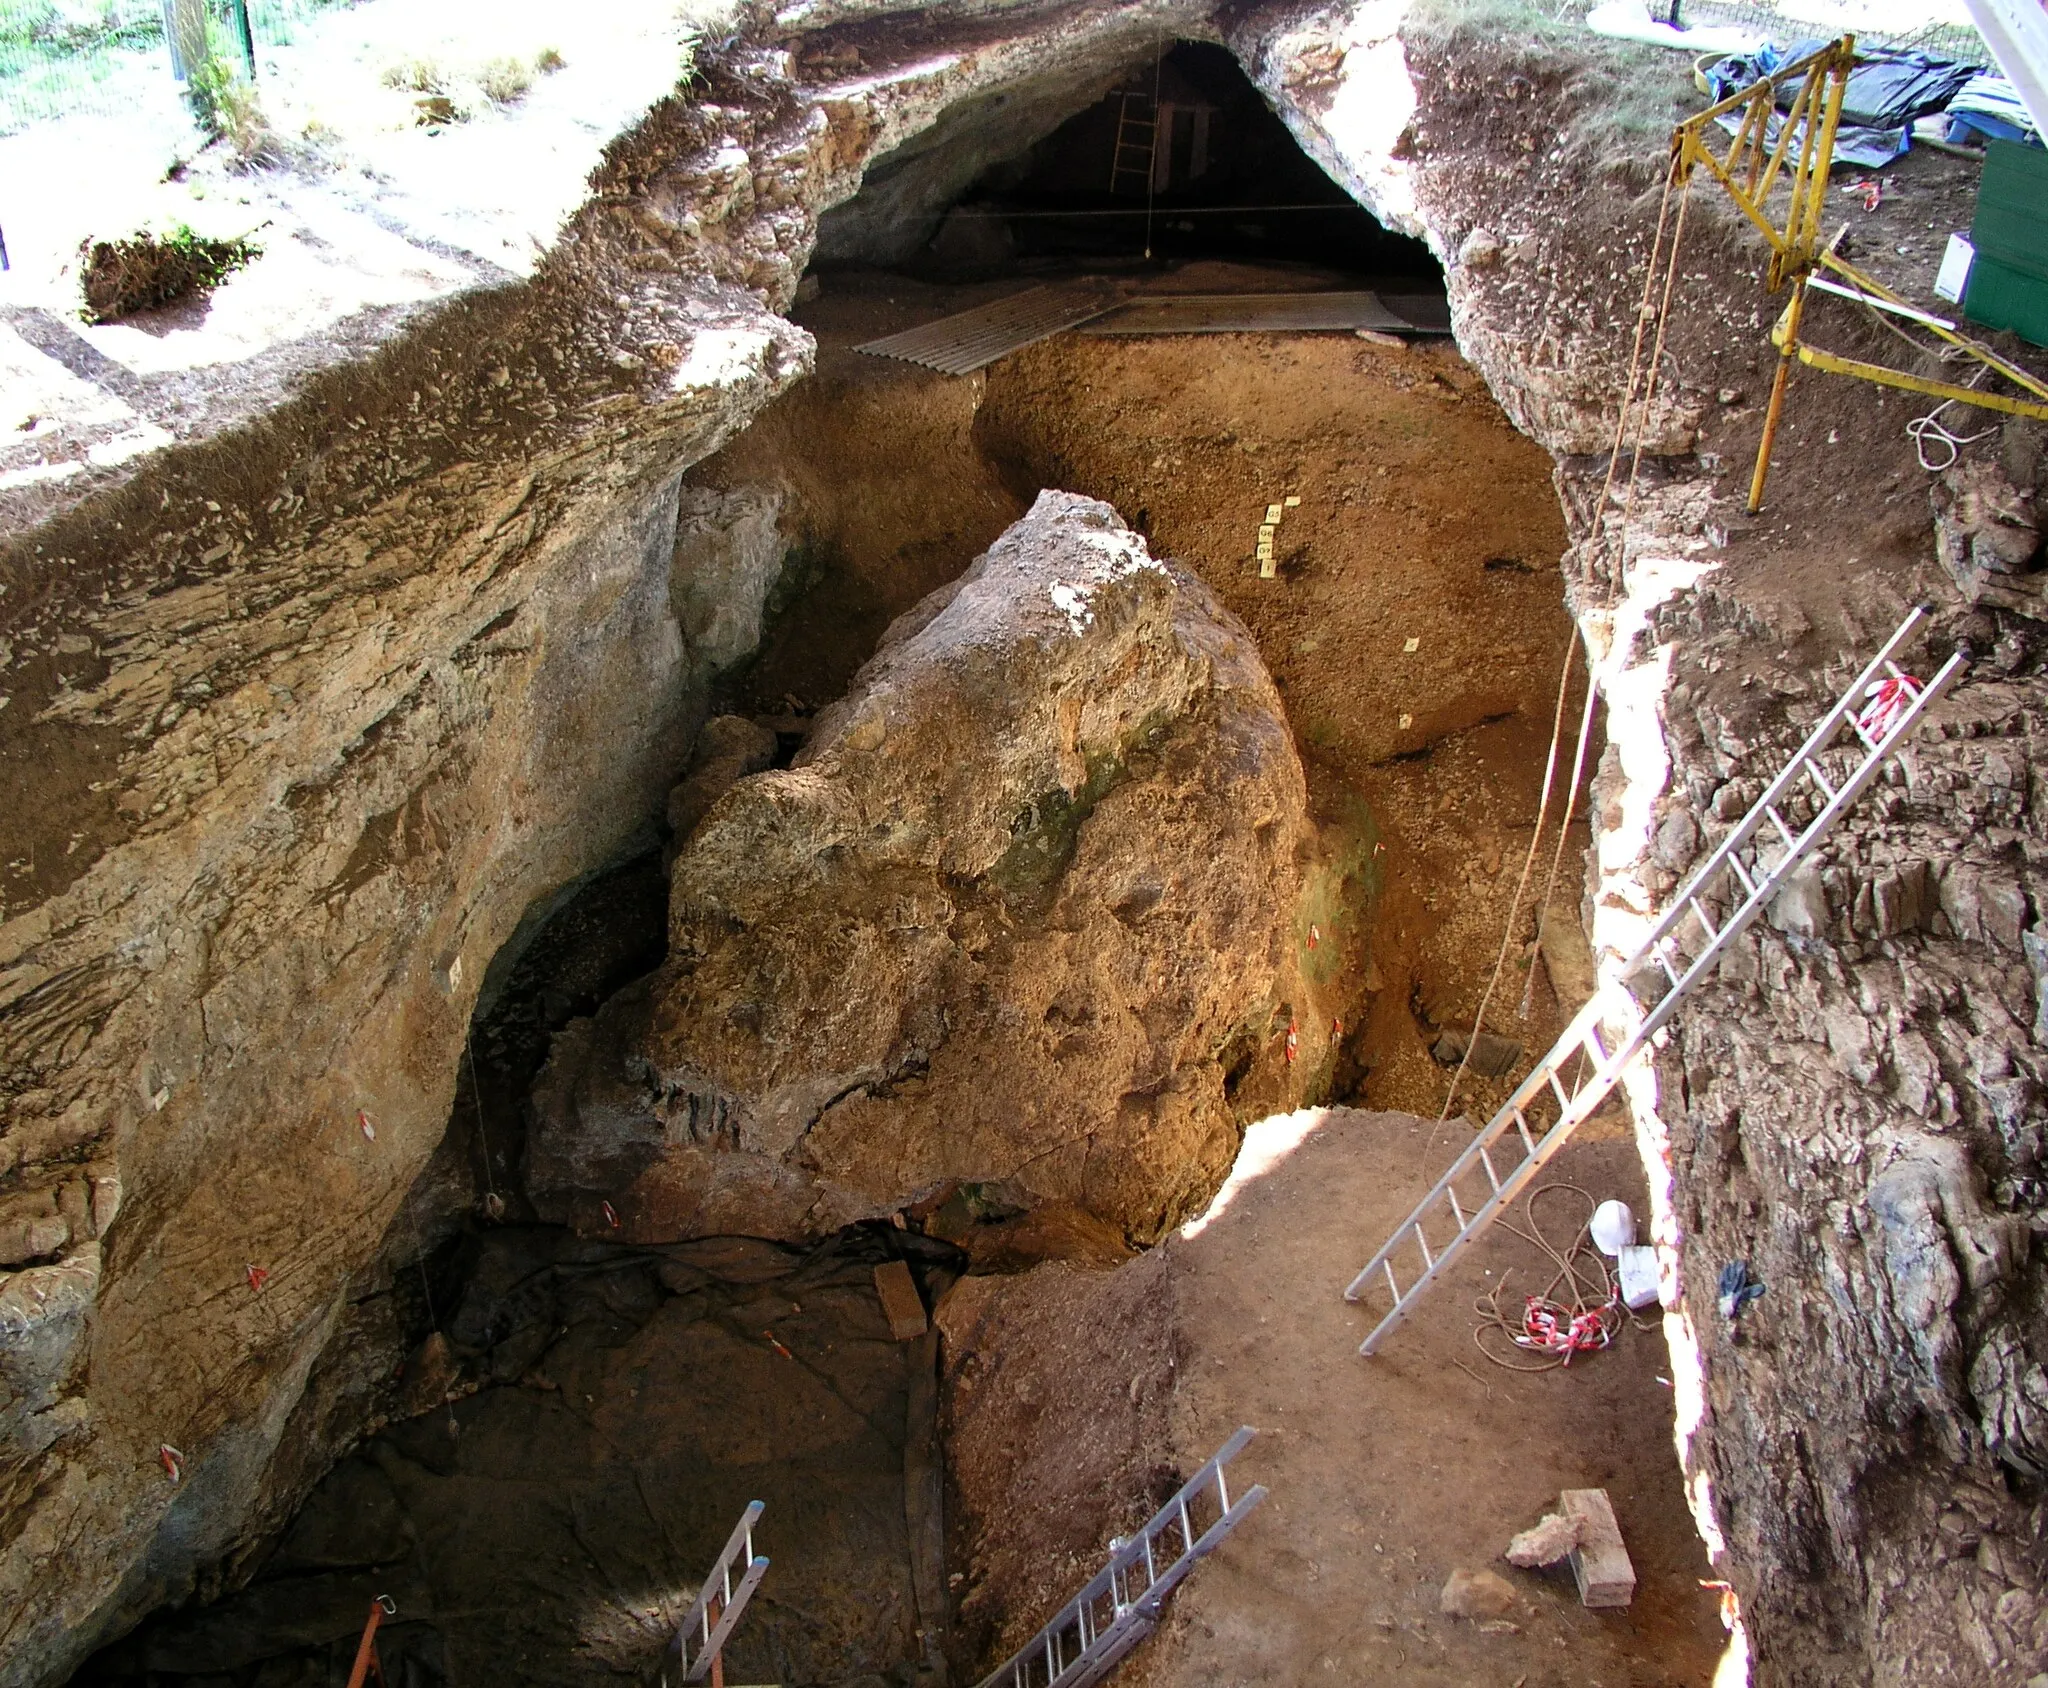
[249, 39]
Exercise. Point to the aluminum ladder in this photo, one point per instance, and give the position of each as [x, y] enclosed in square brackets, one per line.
[719, 1604]
[1122, 1603]
[1879, 709]
[1137, 141]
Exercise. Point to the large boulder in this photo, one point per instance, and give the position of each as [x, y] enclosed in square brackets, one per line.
[1021, 916]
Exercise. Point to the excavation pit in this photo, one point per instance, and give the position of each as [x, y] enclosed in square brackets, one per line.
[584, 1406]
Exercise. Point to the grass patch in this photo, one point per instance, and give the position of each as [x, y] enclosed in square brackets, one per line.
[121, 277]
[448, 93]
[226, 105]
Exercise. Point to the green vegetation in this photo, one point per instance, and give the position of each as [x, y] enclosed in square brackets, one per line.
[455, 94]
[62, 57]
[226, 106]
[121, 277]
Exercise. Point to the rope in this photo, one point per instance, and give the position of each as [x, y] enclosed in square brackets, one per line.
[1564, 685]
[1579, 1311]
[1628, 503]
[1564, 829]
[1924, 431]
[419, 1245]
[494, 1203]
[1635, 363]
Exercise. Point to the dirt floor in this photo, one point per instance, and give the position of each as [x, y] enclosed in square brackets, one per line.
[1384, 1475]
[1424, 518]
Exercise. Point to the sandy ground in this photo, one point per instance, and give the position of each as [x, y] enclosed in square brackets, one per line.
[1383, 1475]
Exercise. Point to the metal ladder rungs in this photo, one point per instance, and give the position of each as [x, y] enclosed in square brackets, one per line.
[1486, 1161]
[1699, 913]
[1903, 707]
[1082, 1643]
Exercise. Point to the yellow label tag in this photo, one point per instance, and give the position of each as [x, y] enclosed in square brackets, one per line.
[1266, 535]
[1294, 501]
[1266, 568]
[1273, 512]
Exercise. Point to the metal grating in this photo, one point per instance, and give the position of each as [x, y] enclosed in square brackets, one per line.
[1250, 313]
[959, 345]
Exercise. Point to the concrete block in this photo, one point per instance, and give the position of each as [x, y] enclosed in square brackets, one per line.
[902, 1306]
[1600, 1562]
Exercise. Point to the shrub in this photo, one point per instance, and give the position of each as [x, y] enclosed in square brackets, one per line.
[229, 109]
[121, 277]
[504, 80]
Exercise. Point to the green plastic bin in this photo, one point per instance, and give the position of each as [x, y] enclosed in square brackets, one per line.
[2008, 286]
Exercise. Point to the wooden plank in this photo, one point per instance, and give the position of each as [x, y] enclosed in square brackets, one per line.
[1600, 1562]
[902, 1306]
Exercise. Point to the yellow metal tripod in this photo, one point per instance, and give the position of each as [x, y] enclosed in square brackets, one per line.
[1799, 155]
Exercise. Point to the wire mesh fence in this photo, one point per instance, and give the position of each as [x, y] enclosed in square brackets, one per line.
[66, 58]
[1942, 29]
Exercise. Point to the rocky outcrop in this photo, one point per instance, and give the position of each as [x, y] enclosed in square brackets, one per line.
[1854, 1111]
[1021, 915]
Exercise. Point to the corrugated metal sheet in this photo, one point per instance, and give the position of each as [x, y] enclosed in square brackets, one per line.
[1248, 313]
[959, 345]
[1425, 313]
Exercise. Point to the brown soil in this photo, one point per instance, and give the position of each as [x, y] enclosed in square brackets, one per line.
[1423, 516]
[1384, 1475]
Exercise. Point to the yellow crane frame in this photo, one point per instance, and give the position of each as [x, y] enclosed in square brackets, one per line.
[1750, 169]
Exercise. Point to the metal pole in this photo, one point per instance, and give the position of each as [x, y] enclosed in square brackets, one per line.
[366, 1652]
[248, 37]
[1786, 353]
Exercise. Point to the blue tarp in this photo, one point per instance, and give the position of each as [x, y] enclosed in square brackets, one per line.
[1888, 91]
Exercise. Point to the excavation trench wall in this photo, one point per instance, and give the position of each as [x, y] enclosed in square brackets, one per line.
[303, 722]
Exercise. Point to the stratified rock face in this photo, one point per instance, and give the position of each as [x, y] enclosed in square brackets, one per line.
[1019, 915]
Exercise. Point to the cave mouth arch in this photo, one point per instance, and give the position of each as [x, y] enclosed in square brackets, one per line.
[1173, 157]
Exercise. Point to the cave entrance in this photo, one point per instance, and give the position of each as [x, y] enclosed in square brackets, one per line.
[1181, 159]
